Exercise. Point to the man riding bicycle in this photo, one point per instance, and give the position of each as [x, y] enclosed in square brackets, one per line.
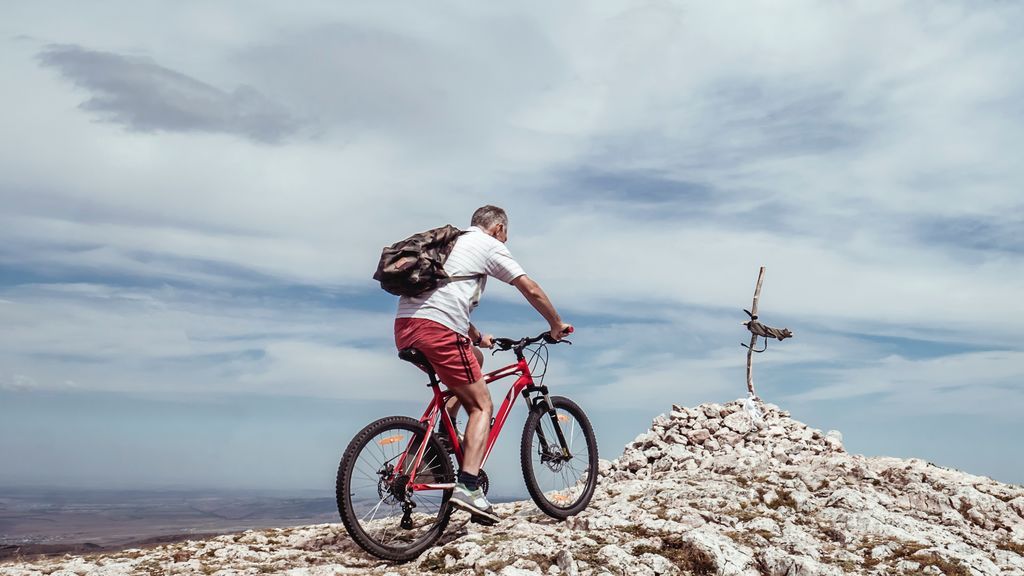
[437, 324]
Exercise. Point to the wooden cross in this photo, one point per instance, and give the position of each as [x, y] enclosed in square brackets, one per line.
[759, 330]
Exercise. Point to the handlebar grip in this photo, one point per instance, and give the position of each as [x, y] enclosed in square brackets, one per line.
[504, 343]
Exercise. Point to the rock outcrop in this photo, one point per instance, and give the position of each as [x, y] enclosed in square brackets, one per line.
[707, 490]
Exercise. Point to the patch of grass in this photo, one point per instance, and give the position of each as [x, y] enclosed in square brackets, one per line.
[1011, 546]
[151, 567]
[870, 562]
[866, 547]
[434, 562]
[869, 543]
[587, 554]
[686, 556]
[846, 565]
[746, 514]
[948, 567]
[785, 500]
[747, 537]
[492, 566]
[638, 531]
[543, 561]
[645, 549]
[834, 534]
[180, 555]
[964, 508]
[907, 549]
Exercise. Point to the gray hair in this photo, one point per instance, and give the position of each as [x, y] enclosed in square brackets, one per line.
[487, 216]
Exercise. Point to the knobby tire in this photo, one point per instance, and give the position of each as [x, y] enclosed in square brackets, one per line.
[576, 478]
[348, 479]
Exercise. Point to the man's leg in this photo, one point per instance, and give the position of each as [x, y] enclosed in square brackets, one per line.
[467, 494]
[453, 403]
[476, 399]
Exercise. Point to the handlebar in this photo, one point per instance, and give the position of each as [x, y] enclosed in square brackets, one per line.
[509, 344]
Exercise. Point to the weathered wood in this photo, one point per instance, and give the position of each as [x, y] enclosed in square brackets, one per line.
[753, 337]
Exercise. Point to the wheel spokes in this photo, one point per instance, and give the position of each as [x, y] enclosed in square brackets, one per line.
[564, 477]
[373, 485]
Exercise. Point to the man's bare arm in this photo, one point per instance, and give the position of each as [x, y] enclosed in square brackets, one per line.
[539, 300]
[479, 338]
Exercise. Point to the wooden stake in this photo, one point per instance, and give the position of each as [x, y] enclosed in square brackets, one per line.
[753, 337]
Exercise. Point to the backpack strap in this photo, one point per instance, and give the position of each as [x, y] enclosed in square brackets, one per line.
[460, 278]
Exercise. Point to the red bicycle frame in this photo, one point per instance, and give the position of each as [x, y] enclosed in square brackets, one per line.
[435, 410]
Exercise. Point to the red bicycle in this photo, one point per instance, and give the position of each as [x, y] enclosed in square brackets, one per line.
[396, 476]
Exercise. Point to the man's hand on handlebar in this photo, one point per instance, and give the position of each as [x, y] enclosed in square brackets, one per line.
[486, 341]
[508, 343]
[561, 330]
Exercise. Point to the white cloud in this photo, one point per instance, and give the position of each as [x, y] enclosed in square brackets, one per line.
[974, 383]
[800, 141]
[169, 340]
[17, 382]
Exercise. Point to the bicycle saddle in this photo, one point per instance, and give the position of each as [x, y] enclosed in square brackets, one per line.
[416, 357]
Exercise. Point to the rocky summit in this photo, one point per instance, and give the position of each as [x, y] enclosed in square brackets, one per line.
[715, 489]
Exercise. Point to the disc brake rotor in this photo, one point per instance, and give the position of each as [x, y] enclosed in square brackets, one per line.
[553, 459]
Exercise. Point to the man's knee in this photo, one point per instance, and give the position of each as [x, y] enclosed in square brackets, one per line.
[476, 398]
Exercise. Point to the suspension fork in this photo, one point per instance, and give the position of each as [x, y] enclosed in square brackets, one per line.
[543, 402]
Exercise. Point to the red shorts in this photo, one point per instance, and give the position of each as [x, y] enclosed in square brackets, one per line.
[450, 353]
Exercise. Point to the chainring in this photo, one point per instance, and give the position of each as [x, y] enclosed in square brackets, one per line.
[484, 482]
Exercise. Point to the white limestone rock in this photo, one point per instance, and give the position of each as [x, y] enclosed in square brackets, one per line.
[701, 490]
[738, 422]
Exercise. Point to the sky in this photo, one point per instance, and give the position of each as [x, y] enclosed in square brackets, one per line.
[195, 197]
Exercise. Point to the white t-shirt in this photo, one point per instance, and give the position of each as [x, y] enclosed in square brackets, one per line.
[475, 252]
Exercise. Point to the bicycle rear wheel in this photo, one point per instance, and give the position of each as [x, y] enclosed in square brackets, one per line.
[372, 494]
[560, 483]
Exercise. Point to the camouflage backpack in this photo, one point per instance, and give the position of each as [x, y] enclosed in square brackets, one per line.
[416, 265]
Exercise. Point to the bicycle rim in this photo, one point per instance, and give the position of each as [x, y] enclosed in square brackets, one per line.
[561, 486]
[372, 490]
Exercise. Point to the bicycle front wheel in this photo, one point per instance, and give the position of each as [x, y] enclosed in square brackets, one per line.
[376, 507]
[560, 477]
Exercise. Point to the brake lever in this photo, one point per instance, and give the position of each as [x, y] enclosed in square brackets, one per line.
[502, 345]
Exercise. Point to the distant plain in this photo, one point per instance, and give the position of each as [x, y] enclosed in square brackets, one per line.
[59, 520]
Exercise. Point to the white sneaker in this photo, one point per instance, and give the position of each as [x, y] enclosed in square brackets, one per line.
[474, 502]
